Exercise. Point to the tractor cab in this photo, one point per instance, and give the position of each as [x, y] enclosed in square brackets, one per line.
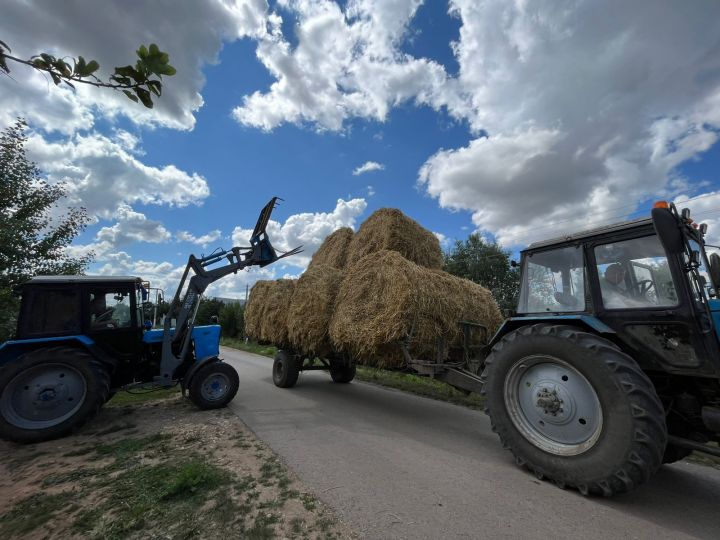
[623, 281]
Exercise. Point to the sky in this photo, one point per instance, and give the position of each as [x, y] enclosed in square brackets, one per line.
[518, 120]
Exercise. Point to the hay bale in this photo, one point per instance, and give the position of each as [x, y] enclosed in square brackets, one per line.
[334, 249]
[311, 309]
[389, 228]
[384, 296]
[255, 307]
[268, 307]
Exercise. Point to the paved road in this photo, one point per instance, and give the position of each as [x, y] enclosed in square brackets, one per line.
[394, 465]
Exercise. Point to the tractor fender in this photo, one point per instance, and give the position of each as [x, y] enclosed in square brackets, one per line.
[185, 382]
[586, 322]
[14, 348]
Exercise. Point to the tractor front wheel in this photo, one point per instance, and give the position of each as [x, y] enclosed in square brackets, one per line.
[213, 386]
[573, 408]
[49, 392]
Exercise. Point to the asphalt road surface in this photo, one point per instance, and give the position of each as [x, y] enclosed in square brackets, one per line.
[394, 465]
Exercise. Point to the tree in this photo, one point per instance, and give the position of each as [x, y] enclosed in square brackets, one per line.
[136, 82]
[232, 319]
[207, 308]
[34, 230]
[487, 264]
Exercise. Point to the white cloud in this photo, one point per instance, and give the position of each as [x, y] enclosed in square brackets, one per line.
[204, 240]
[444, 240]
[368, 166]
[306, 229]
[346, 64]
[131, 227]
[103, 174]
[370, 191]
[191, 32]
[588, 113]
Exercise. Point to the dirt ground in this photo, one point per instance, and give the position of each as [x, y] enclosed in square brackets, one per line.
[159, 469]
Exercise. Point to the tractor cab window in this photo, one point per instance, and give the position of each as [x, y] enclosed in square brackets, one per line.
[109, 309]
[553, 281]
[635, 274]
[52, 312]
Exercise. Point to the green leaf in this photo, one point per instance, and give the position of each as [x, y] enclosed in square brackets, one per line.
[39, 63]
[62, 67]
[169, 70]
[155, 87]
[49, 59]
[142, 51]
[154, 49]
[92, 67]
[132, 96]
[144, 96]
[80, 67]
[56, 78]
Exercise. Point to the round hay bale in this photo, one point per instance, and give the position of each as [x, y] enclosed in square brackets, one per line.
[255, 307]
[311, 308]
[389, 228]
[334, 249]
[384, 297]
[266, 311]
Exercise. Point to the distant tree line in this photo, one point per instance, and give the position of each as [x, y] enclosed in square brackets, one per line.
[231, 316]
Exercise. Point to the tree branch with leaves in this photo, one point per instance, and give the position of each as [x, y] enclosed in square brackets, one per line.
[139, 82]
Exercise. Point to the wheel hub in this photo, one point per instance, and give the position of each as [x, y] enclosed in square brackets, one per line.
[553, 405]
[43, 396]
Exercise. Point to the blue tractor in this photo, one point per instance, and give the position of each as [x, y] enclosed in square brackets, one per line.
[610, 366]
[81, 338]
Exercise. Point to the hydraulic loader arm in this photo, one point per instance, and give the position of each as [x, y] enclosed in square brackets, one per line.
[184, 307]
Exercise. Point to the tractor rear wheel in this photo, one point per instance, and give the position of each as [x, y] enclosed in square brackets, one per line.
[572, 407]
[285, 369]
[49, 392]
[214, 385]
[342, 373]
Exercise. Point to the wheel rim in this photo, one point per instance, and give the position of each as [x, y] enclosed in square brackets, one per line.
[553, 405]
[215, 387]
[43, 396]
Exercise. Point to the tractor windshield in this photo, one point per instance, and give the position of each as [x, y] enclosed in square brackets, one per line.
[553, 281]
[635, 274]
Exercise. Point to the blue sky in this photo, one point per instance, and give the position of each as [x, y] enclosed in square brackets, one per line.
[518, 121]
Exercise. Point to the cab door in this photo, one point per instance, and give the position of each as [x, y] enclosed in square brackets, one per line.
[111, 320]
[642, 295]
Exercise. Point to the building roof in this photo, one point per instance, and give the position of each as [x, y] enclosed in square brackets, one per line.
[85, 279]
[615, 227]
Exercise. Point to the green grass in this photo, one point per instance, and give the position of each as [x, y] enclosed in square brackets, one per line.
[31, 513]
[422, 386]
[168, 495]
[127, 398]
[251, 346]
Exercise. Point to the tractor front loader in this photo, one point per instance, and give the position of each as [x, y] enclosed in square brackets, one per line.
[82, 338]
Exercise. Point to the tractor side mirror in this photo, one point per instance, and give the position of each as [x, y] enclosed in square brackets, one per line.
[668, 230]
[714, 270]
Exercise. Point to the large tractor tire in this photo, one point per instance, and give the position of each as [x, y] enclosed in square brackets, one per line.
[342, 373]
[573, 408]
[50, 392]
[285, 370]
[213, 386]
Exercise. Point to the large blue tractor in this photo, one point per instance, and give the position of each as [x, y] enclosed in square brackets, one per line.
[81, 338]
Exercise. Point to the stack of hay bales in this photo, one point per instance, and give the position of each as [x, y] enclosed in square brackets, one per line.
[267, 310]
[364, 293]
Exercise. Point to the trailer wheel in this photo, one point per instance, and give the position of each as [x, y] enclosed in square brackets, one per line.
[572, 407]
[342, 373]
[285, 370]
[213, 386]
[50, 392]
